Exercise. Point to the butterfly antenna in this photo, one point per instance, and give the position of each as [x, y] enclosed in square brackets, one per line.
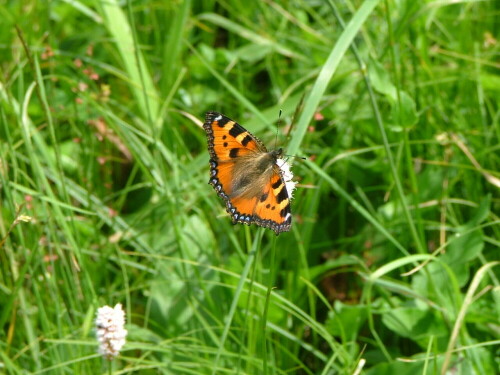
[295, 156]
[279, 122]
[296, 113]
[277, 129]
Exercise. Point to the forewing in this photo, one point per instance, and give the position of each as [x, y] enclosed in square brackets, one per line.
[228, 140]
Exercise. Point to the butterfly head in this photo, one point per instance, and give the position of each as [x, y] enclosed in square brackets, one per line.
[277, 154]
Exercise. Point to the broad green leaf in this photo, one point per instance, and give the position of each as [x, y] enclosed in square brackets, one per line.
[381, 80]
[397, 368]
[403, 108]
[415, 324]
[404, 112]
[346, 320]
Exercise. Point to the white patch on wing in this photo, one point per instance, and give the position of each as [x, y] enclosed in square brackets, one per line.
[287, 175]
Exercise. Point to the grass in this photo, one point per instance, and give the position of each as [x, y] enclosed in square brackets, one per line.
[392, 262]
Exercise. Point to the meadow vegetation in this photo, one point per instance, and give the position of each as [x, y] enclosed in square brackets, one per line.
[392, 262]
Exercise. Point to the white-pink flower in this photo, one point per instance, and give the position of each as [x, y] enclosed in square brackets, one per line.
[110, 333]
[287, 175]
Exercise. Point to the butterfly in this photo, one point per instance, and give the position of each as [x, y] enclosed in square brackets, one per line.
[254, 183]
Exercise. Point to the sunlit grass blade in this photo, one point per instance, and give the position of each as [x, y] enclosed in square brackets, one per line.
[325, 75]
[141, 83]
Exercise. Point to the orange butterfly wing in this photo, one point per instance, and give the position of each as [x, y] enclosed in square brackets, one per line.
[273, 208]
[228, 141]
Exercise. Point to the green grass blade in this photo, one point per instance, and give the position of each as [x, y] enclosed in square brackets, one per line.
[325, 75]
[140, 80]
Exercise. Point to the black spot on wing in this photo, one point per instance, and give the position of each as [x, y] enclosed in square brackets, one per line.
[263, 197]
[277, 184]
[223, 121]
[233, 153]
[246, 140]
[282, 195]
[236, 130]
[285, 211]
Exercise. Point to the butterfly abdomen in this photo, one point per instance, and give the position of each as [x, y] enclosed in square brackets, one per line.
[253, 172]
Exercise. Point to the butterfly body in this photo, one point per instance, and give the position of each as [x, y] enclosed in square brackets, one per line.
[246, 175]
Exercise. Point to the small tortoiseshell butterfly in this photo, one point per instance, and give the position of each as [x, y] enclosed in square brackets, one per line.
[255, 183]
